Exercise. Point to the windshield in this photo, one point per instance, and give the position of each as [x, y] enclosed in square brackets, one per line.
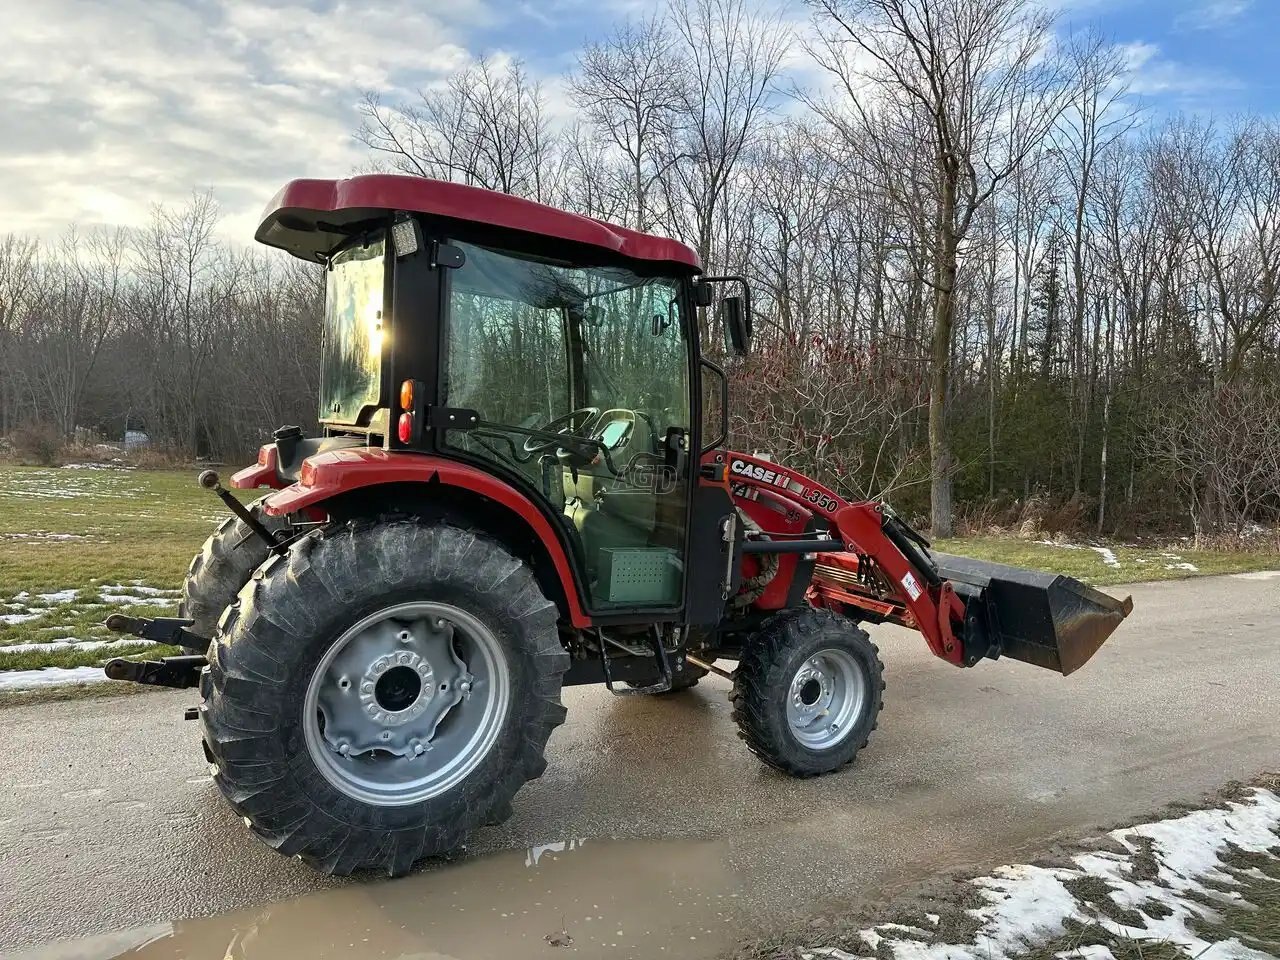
[532, 339]
[351, 354]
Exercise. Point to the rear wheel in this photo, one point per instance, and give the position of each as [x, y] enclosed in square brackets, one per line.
[224, 565]
[808, 691]
[381, 692]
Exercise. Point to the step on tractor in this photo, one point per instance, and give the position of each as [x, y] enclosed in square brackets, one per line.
[519, 485]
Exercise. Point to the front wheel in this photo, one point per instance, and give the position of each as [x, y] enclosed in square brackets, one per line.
[382, 691]
[808, 691]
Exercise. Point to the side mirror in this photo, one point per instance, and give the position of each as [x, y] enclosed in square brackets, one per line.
[732, 312]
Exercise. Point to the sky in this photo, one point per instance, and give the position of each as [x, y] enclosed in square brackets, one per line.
[111, 106]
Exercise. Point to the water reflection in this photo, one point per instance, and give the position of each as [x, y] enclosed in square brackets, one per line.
[613, 898]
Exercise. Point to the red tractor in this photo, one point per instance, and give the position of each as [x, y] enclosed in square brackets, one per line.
[514, 490]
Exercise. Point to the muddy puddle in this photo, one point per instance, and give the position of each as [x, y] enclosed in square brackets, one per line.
[586, 898]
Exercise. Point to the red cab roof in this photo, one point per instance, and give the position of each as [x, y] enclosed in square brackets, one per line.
[307, 216]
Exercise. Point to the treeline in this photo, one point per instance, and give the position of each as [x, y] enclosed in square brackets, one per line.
[201, 345]
[985, 274]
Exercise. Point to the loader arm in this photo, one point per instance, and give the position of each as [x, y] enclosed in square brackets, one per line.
[918, 596]
[966, 609]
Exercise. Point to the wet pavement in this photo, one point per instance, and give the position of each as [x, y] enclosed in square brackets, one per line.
[653, 833]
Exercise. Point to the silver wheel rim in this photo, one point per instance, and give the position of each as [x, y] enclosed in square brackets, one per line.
[826, 699]
[406, 703]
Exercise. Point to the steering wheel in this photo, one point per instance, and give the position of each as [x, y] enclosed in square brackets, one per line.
[567, 425]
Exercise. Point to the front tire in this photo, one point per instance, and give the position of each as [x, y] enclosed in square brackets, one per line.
[382, 691]
[808, 691]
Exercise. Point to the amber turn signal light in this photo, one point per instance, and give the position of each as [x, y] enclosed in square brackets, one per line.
[406, 395]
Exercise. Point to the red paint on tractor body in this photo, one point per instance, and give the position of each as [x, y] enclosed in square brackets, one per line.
[329, 474]
[294, 219]
[261, 474]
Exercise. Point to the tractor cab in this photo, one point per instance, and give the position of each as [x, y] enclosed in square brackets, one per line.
[556, 352]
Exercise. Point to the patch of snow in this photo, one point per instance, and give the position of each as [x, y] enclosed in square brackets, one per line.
[1182, 566]
[1092, 951]
[1108, 556]
[129, 600]
[116, 464]
[1258, 575]
[72, 643]
[1055, 543]
[9, 619]
[59, 596]
[137, 586]
[934, 918]
[41, 537]
[1028, 904]
[50, 677]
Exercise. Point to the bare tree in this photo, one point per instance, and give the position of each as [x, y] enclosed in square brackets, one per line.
[972, 76]
[486, 127]
[628, 87]
[732, 60]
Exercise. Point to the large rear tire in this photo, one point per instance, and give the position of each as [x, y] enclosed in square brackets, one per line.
[808, 691]
[382, 691]
[224, 565]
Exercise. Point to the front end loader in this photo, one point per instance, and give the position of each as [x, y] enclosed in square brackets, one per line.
[513, 490]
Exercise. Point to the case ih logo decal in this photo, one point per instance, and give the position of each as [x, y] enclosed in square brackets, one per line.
[744, 469]
[784, 481]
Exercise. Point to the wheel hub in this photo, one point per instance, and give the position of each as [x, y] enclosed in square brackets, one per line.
[405, 702]
[825, 698]
[397, 687]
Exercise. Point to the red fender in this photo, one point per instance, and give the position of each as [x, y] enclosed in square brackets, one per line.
[262, 474]
[334, 472]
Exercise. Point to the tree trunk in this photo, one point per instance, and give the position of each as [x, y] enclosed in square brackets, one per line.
[940, 378]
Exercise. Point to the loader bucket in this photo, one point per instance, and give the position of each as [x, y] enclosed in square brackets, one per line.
[1045, 619]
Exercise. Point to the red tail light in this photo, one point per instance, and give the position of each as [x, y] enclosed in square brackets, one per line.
[404, 427]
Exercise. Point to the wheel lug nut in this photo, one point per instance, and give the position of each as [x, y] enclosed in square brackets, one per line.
[344, 748]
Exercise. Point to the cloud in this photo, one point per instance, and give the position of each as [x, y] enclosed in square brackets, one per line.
[1212, 15]
[1151, 74]
[110, 108]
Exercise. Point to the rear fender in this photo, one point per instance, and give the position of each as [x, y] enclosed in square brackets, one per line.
[337, 473]
[264, 473]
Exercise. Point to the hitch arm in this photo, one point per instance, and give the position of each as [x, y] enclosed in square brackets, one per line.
[170, 630]
[209, 480]
[179, 672]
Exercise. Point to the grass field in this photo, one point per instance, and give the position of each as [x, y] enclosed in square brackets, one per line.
[79, 543]
[1102, 564]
